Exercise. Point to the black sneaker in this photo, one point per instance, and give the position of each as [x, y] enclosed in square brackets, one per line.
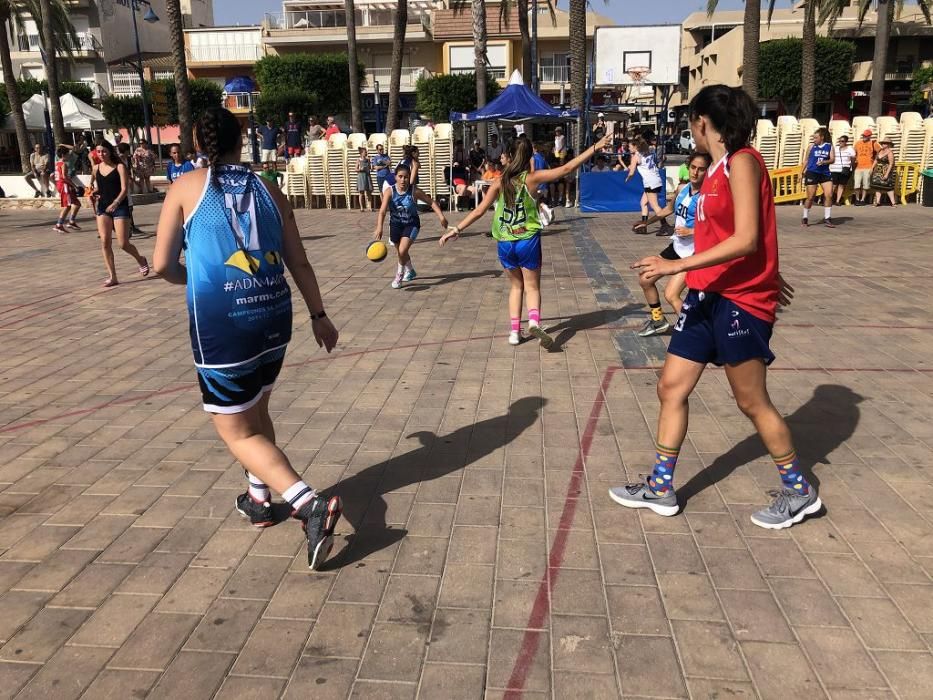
[259, 514]
[828, 223]
[318, 518]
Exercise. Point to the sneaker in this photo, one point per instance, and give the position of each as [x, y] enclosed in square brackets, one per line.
[828, 223]
[787, 508]
[259, 514]
[652, 327]
[59, 228]
[409, 275]
[318, 518]
[547, 342]
[666, 230]
[397, 282]
[515, 337]
[804, 223]
[37, 194]
[547, 216]
[391, 243]
[641, 496]
[73, 226]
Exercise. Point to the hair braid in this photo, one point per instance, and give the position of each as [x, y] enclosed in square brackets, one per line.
[218, 135]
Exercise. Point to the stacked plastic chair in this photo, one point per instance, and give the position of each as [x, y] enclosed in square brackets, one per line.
[296, 181]
[338, 185]
[808, 127]
[790, 142]
[839, 128]
[377, 140]
[398, 139]
[889, 128]
[354, 141]
[859, 124]
[442, 161]
[423, 139]
[766, 142]
[926, 157]
[316, 168]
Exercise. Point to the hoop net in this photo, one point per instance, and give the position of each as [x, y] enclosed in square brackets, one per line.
[638, 74]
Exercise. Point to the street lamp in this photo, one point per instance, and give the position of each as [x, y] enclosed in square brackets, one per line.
[150, 17]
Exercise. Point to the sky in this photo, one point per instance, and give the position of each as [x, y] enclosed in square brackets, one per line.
[623, 11]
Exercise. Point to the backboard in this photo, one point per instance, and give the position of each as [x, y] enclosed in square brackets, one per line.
[620, 49]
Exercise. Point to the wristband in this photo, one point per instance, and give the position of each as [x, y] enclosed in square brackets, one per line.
[318, 317]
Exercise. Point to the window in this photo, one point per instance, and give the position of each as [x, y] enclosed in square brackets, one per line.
[555, 68]
[461, 60]
[163, 75]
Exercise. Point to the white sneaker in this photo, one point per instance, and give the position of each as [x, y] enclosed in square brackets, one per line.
[515, 337]
[397, 282]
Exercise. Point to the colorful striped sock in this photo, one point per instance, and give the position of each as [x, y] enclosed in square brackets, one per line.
[534, 317]
[662, 477]
[791, 476]
[516, 324]
[298, 494]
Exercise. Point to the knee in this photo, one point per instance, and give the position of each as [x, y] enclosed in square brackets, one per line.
[752, 406]
[671, 298]
[671, 392]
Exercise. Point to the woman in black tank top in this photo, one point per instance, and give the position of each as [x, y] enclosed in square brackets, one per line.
[109, 181]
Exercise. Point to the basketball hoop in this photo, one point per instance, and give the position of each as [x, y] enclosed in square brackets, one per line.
[637, 74]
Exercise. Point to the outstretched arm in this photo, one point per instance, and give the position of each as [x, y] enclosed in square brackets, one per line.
[541, 177]
[423, 196]
[491, 194]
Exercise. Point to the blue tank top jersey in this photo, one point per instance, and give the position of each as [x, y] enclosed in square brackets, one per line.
[403, 209]
[819, 153]
[239, 302]
[540, 161]
[685, 207]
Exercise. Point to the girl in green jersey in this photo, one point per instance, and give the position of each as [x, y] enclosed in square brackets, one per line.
[516, 227]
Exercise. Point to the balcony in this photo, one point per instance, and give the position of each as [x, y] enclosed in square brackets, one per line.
[224, 53]
[125, 83]
[84, 43]
[492, 72]
[861, 72]
[408, 81]
[372, 24]
[554, 74]
[239, 102]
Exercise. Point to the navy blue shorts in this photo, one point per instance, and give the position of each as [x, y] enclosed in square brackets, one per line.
[714, 329]
[399, 231]
[237, 389]
[525, 253]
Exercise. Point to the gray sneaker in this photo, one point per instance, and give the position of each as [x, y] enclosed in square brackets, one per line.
[652, 327]
[547, 342]
[641, 496]
[787, 508]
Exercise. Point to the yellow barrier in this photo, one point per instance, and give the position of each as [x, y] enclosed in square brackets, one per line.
[787, 183]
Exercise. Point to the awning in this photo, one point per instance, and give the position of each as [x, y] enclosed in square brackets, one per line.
[517, 103]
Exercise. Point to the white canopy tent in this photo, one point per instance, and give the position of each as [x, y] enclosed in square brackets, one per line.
[77, 114]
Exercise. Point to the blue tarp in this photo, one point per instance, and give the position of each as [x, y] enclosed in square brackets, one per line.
[607, 192]
[517, 103]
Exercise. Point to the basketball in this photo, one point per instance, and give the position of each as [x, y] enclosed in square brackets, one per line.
[376, 251]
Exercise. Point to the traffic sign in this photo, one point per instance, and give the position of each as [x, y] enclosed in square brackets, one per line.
[160, 103]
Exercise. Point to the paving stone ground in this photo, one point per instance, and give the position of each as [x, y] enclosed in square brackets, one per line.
[480, 555]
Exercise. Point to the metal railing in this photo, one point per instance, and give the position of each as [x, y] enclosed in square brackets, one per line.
[240, 100]
[28, 42]
[409, 77]
[225, 53]
[491, 72]
[330, 19]
[555, 74]
[84, 41]
[125, 83]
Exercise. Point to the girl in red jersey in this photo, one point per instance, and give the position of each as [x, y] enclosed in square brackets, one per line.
[729, 312]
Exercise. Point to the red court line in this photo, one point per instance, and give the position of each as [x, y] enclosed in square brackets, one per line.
[655, 368]
[541, 608]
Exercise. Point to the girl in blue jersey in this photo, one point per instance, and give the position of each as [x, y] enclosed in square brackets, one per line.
[683, 206]
[238, 235]
[400, 200]
[816, 175]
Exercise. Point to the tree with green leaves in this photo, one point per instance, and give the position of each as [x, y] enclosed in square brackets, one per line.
[751, 28]
[440, 95]
[781, 67]
[922, 78]
[182, 87]
[480, 59]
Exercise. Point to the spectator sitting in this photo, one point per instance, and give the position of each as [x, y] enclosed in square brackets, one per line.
[477, 155]
[493, 170]
[602, 164]
[271, 174]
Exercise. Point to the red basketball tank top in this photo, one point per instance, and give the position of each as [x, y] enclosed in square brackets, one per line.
[750, 281]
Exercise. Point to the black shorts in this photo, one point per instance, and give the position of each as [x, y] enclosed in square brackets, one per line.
[669, 253]
[812, 178]
[237, 389]
[399, 231]
[653, 190]
[842, 177]
[714, 329]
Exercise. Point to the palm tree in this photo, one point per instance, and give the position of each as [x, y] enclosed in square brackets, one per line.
[51, 70]
[808, 59]
[577, 32]
[751, 27]
[7, 9]
[356, 111]
[182, 87]
[479, 53]
[505, 10]
[395, 78]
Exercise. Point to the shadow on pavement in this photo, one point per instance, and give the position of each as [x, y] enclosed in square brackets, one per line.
[447, 279]
[818, 427]
[439, 455]
[568, 328]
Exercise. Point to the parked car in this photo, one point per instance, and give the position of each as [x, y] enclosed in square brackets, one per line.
[687, 143]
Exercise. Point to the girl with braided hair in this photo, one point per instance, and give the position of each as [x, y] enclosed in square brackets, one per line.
[239, 235]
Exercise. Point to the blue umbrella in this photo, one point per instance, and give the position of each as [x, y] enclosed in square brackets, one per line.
[241, 83]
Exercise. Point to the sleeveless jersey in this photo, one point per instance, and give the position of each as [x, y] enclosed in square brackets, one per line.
[60, 170]
[819, 154]
[239, 302]
[520, 221]
[750, 281]
[648, 169]
[685, 207]
[403, 209]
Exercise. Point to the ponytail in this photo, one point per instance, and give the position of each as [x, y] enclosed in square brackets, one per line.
[731, 112]
[519, 152]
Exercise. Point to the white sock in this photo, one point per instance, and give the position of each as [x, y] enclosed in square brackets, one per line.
[806, 213]
[827, 212]
[298, 494]
[258, 491]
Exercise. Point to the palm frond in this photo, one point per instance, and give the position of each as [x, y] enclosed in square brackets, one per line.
[65, 36]
[711, 6]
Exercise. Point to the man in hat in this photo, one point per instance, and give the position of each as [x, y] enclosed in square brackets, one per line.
[865, 150]
[599, 128]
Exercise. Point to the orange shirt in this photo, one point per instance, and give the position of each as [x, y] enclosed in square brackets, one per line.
[864, 154]
[490, 174]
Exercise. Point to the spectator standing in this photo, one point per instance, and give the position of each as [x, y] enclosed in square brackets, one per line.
[332, 127]
[177, 166]
[494, 149]
[599, 128]
[841, 167]
[364, 183]
[315, 132]
[381, 164]
[143, 165]
[477, 156]
[865, 150]
[292, 137]
[125, 157]
[883, 175]
[270, 141]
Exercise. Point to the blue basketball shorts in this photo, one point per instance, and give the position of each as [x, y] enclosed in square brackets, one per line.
[714, 329]
[399, 231]
[237, 389]
[524, 253]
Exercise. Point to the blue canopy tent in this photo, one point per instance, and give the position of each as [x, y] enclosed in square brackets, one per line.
[517, 103]
[244, 85]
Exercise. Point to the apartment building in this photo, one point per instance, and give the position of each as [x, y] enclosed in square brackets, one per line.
[106, 50]
[220, 54]
[711, 48]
